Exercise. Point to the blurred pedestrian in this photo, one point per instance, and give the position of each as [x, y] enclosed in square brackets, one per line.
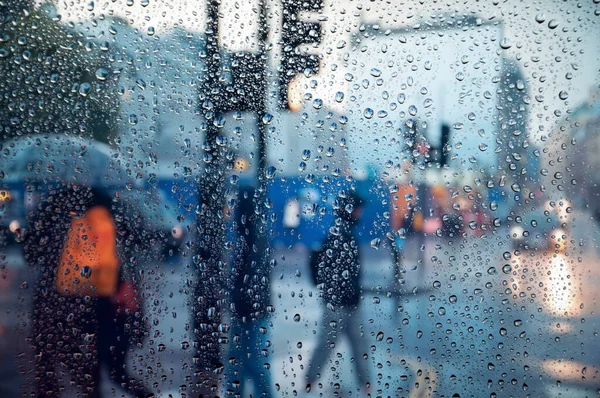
[338, 276]
[250, 297]
[73, 243]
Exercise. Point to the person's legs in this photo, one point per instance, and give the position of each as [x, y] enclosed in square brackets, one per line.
[82, 354]
[45, 339]
[113, 346]
[236, 363]
[352, 326]
[118, 373]
[328, 337]
[258, 357]
[247, 359]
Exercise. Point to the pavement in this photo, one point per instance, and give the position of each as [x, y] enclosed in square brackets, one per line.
[473, 319]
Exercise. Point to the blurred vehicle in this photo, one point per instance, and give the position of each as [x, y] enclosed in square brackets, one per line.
[538, 229]
[33, 165]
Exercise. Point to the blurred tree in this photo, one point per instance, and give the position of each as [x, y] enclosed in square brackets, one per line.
[54, 79]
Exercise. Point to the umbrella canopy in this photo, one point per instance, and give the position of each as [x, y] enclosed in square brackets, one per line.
[58, 159]
[62, 159]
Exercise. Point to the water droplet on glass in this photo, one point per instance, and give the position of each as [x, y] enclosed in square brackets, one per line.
[267, 118]
[563, 95]
[85, 89]
[271, 170]
[505, 43]
[101, 74]
[86, 271]
[375, 243]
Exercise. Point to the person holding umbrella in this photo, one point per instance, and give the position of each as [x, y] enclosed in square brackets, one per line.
[80, 296]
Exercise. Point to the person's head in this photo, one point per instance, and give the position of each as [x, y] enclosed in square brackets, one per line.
[349, 206]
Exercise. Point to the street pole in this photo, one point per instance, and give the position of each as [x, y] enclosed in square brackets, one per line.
[264, 105]
[210, 283]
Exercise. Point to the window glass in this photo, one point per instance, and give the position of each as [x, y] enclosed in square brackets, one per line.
[313, 198]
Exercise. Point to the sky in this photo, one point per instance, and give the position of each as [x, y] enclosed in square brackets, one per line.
[554, 42]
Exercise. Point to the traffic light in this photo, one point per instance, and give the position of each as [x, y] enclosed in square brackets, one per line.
[444, 145]
[245, 84]
[295, 33]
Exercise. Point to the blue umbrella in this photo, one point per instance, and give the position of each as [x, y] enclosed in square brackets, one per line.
[53, 158]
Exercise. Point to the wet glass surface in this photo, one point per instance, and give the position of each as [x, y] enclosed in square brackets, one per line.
[312, 198]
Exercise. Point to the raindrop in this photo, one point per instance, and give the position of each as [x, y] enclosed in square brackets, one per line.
[375, 243]
[563, 95]
[271, 170]
[85, 89]
[505, 44]
[86, 271]
[267, 118]
[101, 74]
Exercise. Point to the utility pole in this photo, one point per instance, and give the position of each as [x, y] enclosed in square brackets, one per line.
[247, 92]
[209, 290]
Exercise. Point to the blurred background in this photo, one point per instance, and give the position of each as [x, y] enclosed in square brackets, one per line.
[469, 129]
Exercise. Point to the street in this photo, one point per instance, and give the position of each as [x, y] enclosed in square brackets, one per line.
[473, 320]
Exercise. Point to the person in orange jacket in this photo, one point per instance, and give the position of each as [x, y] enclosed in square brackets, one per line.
[75, 323]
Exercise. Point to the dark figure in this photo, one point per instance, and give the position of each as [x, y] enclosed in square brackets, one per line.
[338, 276]
[250, 298]
[75, 322]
